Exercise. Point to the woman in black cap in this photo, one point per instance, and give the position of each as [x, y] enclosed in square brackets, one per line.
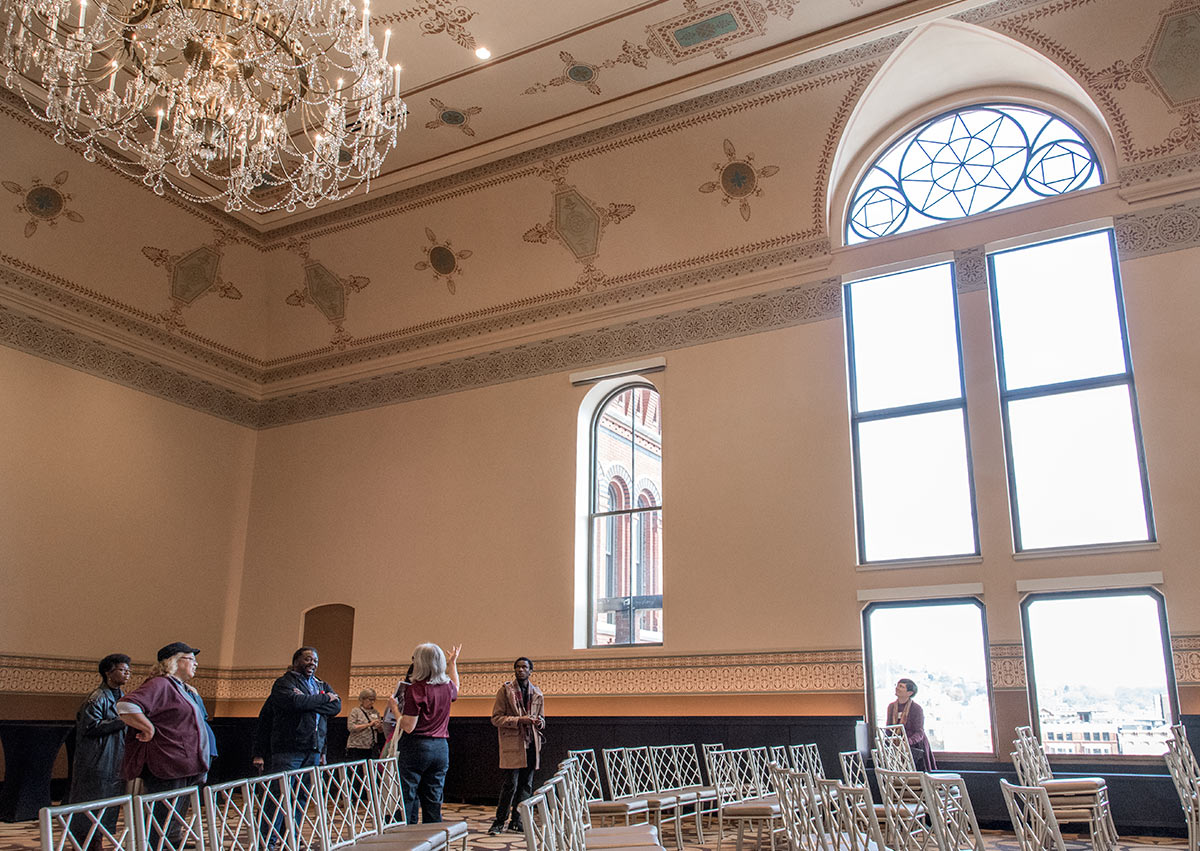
[168, 745]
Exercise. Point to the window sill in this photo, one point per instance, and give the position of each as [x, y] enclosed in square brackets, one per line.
[1087, 550]
[904, 563]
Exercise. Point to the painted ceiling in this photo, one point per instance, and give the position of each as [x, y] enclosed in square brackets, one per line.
[617, 179]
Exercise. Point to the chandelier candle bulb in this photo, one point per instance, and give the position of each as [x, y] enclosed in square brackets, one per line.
[157, 128]
[366, 18]
[397, 81]
[387, 40]
[82, 10]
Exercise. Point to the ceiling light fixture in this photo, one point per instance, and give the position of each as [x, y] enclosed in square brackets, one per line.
[262, 104]
[483, 53]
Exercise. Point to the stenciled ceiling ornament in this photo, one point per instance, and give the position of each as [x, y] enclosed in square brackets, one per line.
[219, 100]
[585, 74]
[437, 17]
[577, 223]
[326, 291]
[43, 202]
[191, 275]
[738, 179]
[443, 260]
[449, 116]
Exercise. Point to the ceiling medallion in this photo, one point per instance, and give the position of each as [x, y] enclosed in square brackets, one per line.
[326, 291]
[43, 203]
[449, 116]
[261, 104]
[577, 223]
[442, 259]
[191, 275]
[739, 179]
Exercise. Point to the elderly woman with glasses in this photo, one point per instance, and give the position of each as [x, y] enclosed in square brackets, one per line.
[423, 752]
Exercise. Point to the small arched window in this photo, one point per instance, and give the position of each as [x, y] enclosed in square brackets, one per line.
[969, 161]
[625, 563]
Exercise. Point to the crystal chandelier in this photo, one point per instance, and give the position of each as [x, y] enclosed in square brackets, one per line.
[264, 104]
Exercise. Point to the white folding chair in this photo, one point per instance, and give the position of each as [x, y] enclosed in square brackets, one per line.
[1185, 774]
[743, 800]
[535, 818]
[802, 821]
[1074, 799]
[908, 817]
[892, 751]
[599, 808]
[230, 816]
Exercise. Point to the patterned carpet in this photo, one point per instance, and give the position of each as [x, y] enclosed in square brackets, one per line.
[23, 836]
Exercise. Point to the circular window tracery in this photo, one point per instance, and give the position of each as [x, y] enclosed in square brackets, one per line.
[967, 162]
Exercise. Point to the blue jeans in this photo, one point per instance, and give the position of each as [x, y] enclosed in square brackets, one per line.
[273, 817]
[423, 762]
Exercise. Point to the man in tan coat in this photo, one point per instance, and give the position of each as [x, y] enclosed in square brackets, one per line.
[518, 717]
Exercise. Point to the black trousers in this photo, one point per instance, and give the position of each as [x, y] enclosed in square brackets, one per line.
[517, 786]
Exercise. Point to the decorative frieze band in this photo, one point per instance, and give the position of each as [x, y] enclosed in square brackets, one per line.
[1159, 230]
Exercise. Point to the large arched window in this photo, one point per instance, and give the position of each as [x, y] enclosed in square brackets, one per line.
[969, 161]
[625, 547]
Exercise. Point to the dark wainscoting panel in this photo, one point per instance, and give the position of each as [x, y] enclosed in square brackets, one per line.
[1143, 798]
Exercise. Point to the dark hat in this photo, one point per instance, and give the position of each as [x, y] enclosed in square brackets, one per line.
[173, 648]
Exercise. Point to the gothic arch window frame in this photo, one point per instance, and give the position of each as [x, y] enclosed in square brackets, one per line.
[955, 153]
[630, 513]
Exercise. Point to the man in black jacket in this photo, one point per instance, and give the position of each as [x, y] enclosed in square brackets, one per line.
[297, 712]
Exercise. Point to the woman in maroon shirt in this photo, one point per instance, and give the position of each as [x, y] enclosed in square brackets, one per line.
[423, 752]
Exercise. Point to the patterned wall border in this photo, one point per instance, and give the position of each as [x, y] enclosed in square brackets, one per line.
[1185, 652]
[1159, 230]
[1008, 666]
[791, 672]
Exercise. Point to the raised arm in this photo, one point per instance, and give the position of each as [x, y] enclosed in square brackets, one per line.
[452, 665]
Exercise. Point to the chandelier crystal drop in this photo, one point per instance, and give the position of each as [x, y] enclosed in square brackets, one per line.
[261, 104]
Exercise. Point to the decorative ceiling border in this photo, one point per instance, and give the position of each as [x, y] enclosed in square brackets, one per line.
[727, 264]
[726, 319]
[1139, 234]
[24, 281]
[36, 336]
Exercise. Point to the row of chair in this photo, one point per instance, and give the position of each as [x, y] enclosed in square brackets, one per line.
[321, 807]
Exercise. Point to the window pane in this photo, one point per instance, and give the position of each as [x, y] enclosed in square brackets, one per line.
[905, 339]
[648, 447]
[1057, 305]
[941, 648]
[610, 571]
[916, 493]
[614, 444]
[647, 553]
[1076, 470]
[1115, 693]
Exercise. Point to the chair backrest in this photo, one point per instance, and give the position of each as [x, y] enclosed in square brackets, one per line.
[801, 815]
[1183, 750]
[568, 835]
[72, 827]
[1032, 765]
[827, 794]
[907, 813]
[856, 818]
[666, 766]
[892, 751]
[589, 773]
[950, 811]
[616, 768]
[576, 802]
[308, 811]
[384, 775]
[535, 817]
[349, 808]
[1032, 817]
[779, 755]
[734, 775]
[761, 758]
[1185, 777]
[230, 814]
[808, 758]
[167, 821]
[271, 794]
[854, 770]
[639, 765]
[706, 749]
